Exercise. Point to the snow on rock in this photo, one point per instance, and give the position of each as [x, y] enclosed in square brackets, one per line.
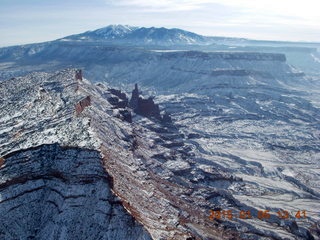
[70, 170]
[67, 161]
[55, 192]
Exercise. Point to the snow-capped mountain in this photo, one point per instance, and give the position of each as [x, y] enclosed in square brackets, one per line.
[93, 46]
[139, 36]
[111, 32]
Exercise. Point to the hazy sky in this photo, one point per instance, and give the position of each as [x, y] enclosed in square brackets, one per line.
[27, 21]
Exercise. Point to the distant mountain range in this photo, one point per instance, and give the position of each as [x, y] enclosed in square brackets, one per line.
[147, 36]
[115, 43]
[152, 36]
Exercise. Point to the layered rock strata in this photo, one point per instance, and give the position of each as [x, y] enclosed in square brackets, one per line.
[68, 162]
[55, 192]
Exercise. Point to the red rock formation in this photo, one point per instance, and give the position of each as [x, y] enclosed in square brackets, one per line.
[78, 74]
[82, 104]
[148, 108]
[118, 93]
[145, 107]
[1, 161]
[134, 98]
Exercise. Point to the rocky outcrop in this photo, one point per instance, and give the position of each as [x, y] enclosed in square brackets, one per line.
[120, 102]
[139, 105]
[119, 94]
[82, 104]
[1, 161]
[134, 101]
[126, 115]
[55, 192]
[95, 176]
[78, 74]
[58, 179]
[118, 98]
[146, 107]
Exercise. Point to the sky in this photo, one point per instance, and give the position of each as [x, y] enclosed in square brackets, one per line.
[30, 21]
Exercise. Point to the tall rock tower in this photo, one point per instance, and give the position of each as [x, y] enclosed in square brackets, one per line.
[78, 74]
[134, 101]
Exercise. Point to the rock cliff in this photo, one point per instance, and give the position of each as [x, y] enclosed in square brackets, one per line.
[70, 168]
[146, 107]
[59, 192]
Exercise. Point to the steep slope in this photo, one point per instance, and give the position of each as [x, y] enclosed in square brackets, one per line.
[58, 136]
[66, 148]
[52, 181]
[55, 192]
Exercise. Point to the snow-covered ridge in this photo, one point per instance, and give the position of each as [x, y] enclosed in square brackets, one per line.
[167, 177]
[42, 117]
[114, 31]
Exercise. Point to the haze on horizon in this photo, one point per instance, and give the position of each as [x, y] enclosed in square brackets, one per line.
[32, 21]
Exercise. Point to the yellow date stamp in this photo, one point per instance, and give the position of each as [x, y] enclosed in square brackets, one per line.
[260, 214]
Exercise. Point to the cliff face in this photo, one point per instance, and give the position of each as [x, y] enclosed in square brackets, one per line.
[248, 56]
[67, 161]
[71, 170]
[53, 184]
[55, 192]
[145, 107]
[175, 71]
